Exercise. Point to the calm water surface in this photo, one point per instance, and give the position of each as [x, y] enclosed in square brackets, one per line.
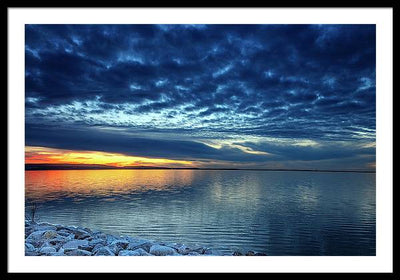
[274, 212]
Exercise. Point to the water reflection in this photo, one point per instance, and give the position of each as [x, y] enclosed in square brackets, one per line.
[56, 184]
[277, 213]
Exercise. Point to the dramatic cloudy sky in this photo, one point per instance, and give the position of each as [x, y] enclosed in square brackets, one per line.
[263, 96]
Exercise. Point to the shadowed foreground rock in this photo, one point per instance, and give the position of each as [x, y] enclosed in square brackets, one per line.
[45, 239]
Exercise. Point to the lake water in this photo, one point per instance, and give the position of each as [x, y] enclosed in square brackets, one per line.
[273, 212]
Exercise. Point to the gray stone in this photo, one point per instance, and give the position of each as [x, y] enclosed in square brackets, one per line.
[49, 234]
[114, 248]
[29, 247]
[101, 236]
[137, 252]
[76, 244]
[193, 254]
[159, 250]
[57, 242]
[104, 251]
[57, 254]
[120, 243]
[110, 238]
[144, 244]
[212, 252]
[198, 249]
[64, 232]
[183, 250]
[77, 252]
[97, 247]
[36, 235]
[94, 242]
[29, 253]
[80, 233]
[47, 250]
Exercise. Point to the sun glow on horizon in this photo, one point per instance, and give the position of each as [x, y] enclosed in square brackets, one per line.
[46, 155]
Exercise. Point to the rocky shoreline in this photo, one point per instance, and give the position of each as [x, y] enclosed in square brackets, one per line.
[45, 239]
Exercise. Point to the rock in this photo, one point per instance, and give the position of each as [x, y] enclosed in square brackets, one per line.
[64, 232]
[260, 254]
[184, 250]
[88, 230]
[159, 250]
[250, 253]
[237, 253]
[137, 252]
[50, 234]
[94, 242]
[212, 252]
[57, 254]
[45, 244]
[80, 233]
[144, 244]
[101, 236]
[97, 247]
[29, 253]
[198, 249]
[110, 238]
[127, 253]
[29, 247]
[28, 231]
[47, 250]
[57, 242]
[36, 235]
[104, 251]
[76, 244]
[141, 252]
[77, 252]
[194, 254]
[114, 248]
[120, 243]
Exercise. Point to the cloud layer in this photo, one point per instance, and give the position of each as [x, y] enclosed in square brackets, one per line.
[216, 92]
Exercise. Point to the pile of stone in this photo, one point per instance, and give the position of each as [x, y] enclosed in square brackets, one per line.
[44, 239]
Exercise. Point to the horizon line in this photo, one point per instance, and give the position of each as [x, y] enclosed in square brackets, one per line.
[46, 166]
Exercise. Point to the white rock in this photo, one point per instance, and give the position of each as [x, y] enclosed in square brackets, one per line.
[104, 251]
[47, 250]
[159, 250]
[137, 252]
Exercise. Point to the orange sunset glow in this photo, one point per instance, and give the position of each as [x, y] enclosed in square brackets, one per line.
[43, 155]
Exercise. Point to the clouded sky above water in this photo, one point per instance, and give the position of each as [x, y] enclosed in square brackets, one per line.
[259, 96]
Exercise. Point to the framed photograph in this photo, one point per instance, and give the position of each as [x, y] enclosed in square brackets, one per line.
[200, 139]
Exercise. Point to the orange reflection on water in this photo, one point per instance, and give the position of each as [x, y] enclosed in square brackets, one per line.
[53, 184]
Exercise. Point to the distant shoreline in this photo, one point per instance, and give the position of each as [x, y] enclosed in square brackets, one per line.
[41, 167]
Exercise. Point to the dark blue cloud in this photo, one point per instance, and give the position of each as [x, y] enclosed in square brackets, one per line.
[281, 81]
